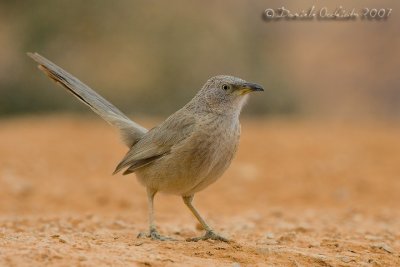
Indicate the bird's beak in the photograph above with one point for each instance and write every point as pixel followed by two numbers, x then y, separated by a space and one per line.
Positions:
pixel 250 87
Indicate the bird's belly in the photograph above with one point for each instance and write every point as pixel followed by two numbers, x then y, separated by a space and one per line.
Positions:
pixel 201 162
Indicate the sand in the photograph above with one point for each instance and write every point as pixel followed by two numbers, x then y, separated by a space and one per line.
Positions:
pixel 299 193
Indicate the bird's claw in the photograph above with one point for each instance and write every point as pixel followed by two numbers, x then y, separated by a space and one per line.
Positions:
pixel 154 235
pixel 208 235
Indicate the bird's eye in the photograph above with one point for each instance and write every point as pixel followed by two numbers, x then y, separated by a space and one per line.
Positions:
pixel 225 87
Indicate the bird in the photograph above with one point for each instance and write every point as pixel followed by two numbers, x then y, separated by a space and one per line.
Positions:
pixel 184 154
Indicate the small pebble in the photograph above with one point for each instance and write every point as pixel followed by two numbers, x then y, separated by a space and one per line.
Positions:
pixel 345 259
pixel 384 247
pixel 270 235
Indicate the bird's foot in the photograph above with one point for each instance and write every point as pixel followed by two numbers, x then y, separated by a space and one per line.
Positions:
pixel 208 235
pixel 154 235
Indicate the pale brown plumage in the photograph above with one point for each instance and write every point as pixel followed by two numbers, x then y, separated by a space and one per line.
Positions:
pixel 184 154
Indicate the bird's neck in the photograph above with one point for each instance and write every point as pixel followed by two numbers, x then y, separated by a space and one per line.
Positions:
pixel 226 108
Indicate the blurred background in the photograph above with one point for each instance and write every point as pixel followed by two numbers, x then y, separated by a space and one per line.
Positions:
pixel 150 58
pixel 317 170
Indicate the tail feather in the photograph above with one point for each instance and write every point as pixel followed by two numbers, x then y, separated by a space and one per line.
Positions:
pixel 130 131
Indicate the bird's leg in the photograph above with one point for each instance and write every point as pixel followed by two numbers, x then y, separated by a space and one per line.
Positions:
pixel 153 233
pixel 210 234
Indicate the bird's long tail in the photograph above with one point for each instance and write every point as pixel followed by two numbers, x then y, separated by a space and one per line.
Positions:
pixel 130 131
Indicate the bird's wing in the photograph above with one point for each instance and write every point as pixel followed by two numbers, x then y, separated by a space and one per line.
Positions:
pixel 130 131
pixel 158 142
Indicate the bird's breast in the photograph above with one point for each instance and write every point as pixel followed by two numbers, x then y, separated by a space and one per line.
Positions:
pixel 197 162
pixel 216 145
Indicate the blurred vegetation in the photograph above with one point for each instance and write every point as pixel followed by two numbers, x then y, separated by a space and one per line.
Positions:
pixel 151 57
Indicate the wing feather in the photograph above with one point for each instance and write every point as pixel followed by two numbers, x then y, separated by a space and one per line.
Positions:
pixel 158 142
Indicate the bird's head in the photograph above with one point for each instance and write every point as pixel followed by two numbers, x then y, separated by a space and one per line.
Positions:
pixel 226 94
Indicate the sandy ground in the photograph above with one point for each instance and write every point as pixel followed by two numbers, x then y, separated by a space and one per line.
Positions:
pixel 299 193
